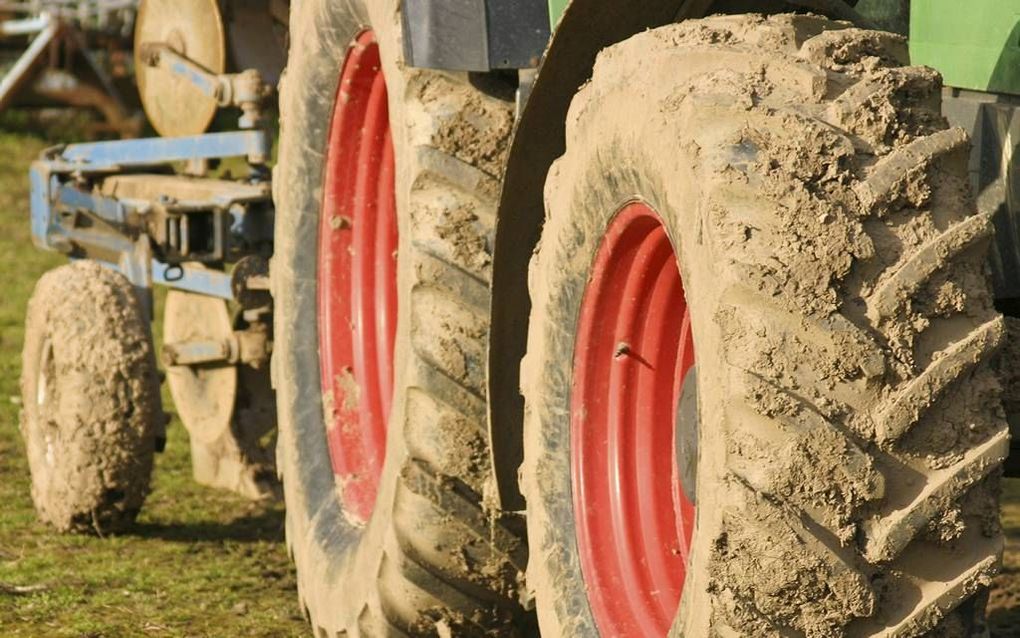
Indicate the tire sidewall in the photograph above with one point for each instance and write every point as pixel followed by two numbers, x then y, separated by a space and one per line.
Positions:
pixel 326 545
pixel 619 163
pixel 34 422
pixel 600 203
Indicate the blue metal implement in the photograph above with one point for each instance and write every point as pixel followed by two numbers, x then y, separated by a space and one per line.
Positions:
pixel 214 283
pixel 89 201
pixel 104 157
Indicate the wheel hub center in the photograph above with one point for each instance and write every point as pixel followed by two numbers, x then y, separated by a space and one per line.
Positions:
pixel 357 280
pixel 686 437
pixel 633 429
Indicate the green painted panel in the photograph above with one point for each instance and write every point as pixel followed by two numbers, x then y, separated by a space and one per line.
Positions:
pixel 974 44
pixel 556 9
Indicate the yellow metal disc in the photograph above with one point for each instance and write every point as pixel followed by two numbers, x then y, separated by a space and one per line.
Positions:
pixel 193 28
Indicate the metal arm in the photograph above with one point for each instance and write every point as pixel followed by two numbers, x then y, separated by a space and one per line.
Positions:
pixel 245 90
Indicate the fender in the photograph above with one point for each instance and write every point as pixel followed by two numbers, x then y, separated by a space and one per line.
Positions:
pixel 587 27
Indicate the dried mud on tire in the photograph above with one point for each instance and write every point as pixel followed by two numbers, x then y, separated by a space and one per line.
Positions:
pixel 91 404
pixel 851 428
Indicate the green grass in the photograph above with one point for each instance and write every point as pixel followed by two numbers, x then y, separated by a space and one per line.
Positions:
pixel 199 562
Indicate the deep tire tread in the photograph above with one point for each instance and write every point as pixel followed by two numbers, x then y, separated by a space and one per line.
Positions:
pixel 910 301
pixel 912 274
pixel 897 416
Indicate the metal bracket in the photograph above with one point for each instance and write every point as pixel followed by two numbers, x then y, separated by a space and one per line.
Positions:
pixel 248 347
pixel 93 201
pixel 245 90
pixel 119 156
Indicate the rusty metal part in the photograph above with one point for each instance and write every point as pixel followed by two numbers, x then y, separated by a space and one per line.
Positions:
pixel 247 91
pixel 57 43
pixel 65 88
pixel 249 282
pixel 194 29
pixel 98 13
pixel 23 71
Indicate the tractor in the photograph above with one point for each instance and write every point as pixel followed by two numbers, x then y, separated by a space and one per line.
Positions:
pixel 621 319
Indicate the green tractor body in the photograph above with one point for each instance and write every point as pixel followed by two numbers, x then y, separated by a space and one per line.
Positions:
pixel 974 45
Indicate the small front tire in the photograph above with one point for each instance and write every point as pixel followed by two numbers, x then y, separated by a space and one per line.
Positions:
pixel 90 391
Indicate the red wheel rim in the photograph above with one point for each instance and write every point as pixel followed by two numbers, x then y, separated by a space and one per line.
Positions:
pixel 357 281
pixel 634 348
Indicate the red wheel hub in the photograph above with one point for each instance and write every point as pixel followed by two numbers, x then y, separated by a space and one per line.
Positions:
pixel 357 289
pixel 634 349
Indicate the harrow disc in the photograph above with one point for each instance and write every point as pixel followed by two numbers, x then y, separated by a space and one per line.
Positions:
pixel 193 28
pixel 204 395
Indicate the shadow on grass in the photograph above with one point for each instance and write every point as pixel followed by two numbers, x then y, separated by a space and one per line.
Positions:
pixel 1004 617
pixel 267 526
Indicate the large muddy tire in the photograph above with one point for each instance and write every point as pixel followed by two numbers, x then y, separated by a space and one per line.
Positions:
pixel 415 552
pixel 91 406
pixel 850 429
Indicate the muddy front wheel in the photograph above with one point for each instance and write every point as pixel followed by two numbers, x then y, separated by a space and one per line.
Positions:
pixel 91 405
pixel 779 198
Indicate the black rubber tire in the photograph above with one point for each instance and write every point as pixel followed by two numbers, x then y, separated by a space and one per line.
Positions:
pixel 851 432
pixel 90 395
pixel 432 559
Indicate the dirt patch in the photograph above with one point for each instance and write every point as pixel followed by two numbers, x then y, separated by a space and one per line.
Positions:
pixel 467 126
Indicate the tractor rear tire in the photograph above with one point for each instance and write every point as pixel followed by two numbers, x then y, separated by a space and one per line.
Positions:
pixel 90 395
pixel 421 555
pixel 850 432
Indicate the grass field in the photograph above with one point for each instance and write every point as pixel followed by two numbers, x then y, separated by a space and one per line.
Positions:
pixel 199 562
